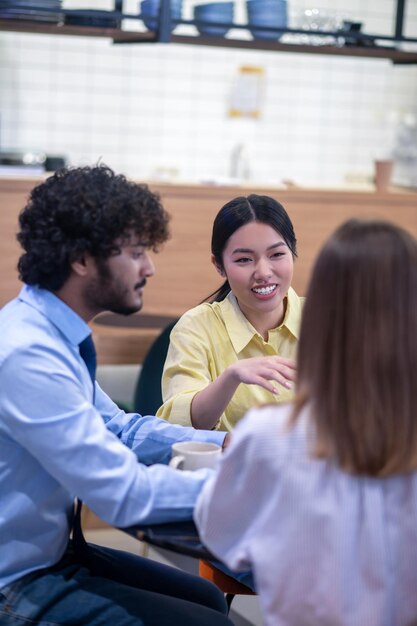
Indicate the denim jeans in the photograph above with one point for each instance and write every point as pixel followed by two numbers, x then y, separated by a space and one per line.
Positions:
pixel 113 588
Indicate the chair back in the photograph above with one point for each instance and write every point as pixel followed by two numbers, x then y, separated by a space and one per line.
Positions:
pixel 148 393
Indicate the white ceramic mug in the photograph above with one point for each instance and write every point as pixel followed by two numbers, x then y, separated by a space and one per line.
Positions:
pixel 191 455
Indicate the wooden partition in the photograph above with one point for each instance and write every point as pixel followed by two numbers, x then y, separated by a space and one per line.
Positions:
pixel 184 273
pixel 13 196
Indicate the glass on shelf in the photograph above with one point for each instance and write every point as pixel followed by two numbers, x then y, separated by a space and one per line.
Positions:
pixel 313 20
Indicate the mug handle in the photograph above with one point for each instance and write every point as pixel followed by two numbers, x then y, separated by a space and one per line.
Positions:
pixel 177 461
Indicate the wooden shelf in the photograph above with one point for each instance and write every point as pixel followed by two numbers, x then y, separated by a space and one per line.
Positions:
pixel 120 36
pixel 43 28
pixel 375 52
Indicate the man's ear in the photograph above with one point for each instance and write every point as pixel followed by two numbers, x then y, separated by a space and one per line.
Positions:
pixel 218 267
pixel 82 266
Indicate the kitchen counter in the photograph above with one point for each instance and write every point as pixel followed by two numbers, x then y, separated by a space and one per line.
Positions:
pixel 184 273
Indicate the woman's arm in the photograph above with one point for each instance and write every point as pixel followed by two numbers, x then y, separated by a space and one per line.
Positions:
pixel 198 380
pixel 208 404
pixel 188 368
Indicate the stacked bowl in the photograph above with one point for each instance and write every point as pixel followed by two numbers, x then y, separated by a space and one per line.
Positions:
pixel 149 12
pixel 209 18
pixel 266 13
pixel 31 10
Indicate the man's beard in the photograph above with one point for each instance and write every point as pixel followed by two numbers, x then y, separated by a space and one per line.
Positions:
pixel 106 294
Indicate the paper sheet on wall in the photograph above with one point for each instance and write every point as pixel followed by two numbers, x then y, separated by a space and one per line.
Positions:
pixel 247 92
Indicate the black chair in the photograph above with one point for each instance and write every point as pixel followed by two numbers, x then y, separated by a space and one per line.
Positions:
pixel 148 393
pixel 228 585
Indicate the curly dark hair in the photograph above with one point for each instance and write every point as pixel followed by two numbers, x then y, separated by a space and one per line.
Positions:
pixel 84 210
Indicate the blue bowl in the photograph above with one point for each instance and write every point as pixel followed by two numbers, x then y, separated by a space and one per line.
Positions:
pixel 149 11
pixel 274 6
pixel 269 13
pixel 217 12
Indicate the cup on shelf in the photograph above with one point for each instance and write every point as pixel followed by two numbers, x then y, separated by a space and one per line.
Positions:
pixel 269 14
pixel 149 12
pixel 383 174
pixel 210 18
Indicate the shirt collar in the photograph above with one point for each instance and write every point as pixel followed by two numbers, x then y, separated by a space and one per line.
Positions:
pixel 241 331
pixel 292 314
pixel 68 322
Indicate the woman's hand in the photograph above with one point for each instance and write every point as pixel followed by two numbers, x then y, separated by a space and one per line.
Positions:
pixel 263 370
pixel 266 371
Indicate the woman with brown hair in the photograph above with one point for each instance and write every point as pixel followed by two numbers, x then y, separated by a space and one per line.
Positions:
pixel 319 498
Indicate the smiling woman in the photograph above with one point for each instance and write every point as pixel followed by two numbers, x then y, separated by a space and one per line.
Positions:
pixel 237 349
pixel 259 268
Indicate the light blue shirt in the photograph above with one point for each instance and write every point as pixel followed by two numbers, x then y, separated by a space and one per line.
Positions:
pixel 55 444
pixel 326 548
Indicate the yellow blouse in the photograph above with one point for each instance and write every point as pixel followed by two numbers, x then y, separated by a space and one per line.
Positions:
pixel 209 338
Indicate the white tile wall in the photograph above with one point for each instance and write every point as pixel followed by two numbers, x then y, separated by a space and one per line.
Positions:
pixel 144 107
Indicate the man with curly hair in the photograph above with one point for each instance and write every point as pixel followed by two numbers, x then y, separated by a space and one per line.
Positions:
pixel 85 233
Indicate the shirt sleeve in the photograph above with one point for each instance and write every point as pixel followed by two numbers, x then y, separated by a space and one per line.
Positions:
pixel 148 436
pixel 186 370
pixel 230 506
pixel 46 413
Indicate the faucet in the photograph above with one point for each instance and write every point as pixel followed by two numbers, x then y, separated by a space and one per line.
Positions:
pixel 239 162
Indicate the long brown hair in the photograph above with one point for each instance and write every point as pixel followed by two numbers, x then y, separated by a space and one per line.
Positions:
pixel 357 353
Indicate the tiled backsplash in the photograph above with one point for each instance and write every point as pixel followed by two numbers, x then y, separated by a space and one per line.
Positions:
pixel 146 109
